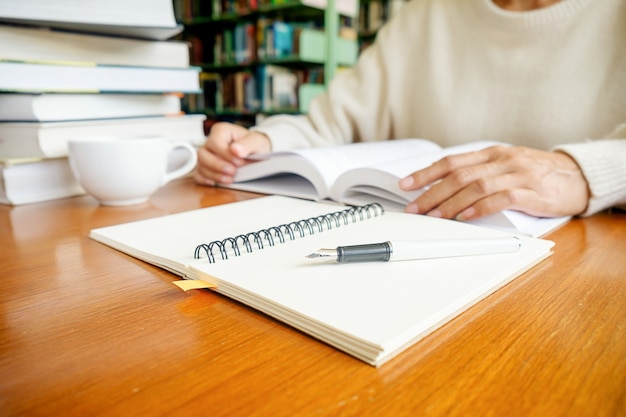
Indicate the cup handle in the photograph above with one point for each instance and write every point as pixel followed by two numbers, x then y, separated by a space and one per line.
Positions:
pixel 187 167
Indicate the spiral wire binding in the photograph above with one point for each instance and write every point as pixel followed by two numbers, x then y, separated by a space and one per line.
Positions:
pixel 287 230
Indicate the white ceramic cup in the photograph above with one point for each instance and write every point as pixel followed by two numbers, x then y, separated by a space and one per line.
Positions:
pixel 123 171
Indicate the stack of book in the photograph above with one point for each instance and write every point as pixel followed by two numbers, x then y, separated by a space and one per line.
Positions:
pixel 72 69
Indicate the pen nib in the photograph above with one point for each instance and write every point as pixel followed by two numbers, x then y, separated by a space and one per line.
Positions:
pixel 323 253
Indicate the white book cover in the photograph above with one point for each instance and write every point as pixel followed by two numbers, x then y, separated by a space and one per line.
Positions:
pixel 50 139
pixel 42 44
pixel 26 181
pixel 151 19
pixel 71 107
pixel 78 78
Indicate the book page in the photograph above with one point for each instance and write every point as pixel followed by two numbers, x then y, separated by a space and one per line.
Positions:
pixel 320 166
pixel 515 220
pixel 370 310
pixel 382 179
pixel 380 184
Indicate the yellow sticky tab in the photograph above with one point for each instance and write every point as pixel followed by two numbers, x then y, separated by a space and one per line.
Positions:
pixel 193 284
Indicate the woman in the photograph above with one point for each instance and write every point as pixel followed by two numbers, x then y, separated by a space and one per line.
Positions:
pixel 546 76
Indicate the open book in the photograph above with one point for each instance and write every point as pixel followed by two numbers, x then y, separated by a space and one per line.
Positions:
pixel 362 173
pixel 254 252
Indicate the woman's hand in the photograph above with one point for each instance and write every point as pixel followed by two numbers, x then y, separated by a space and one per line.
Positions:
pixel 226 148
pixel 471 185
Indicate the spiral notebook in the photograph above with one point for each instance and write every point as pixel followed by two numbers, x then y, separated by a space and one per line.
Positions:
pixel 254 252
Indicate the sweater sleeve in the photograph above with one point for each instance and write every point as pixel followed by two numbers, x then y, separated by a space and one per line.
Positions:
pixel 603 163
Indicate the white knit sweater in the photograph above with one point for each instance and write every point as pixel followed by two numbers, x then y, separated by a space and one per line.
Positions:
pixel 455 71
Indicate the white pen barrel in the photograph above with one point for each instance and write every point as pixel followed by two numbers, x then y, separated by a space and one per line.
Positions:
pixel 444 248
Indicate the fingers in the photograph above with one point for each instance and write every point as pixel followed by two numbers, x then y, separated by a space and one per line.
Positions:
pixel 212 169
pixel 476 184
pixel 220 138
pixel 518 199
pixel 253 143
pixel 456 182
pixel 447 165
pixel 225 150
pixel 466 187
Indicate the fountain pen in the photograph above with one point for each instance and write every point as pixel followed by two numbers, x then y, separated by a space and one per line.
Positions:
pixel 418 249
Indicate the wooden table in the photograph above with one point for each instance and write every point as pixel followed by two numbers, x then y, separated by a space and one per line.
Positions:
pixel 87 330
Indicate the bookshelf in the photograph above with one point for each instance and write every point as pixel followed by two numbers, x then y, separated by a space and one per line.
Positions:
pixel 264 57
